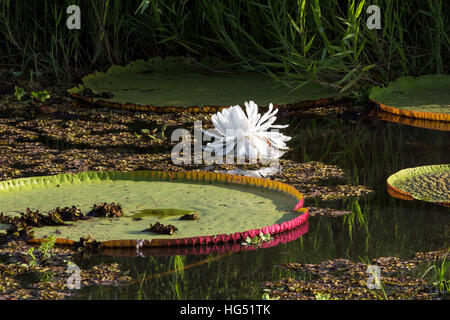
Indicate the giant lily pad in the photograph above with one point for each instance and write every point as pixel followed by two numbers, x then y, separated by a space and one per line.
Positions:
pixel 231 208
pixel 428 183
pixel 174 84
pixel 424 97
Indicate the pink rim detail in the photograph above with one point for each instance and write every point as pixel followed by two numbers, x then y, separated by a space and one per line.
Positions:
pixel 278 239
pixel 234 237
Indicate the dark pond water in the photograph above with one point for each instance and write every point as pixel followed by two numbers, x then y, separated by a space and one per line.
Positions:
pixel 378 226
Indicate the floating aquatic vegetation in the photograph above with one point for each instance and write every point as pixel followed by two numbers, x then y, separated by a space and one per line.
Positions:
pixel 327 212
pixel 427 183
pixel 109 210
pixel 162 229
pixel 318 180
pixel 178 84
pixel 344 279
pixel 15 268
pixel 257 240
pixel 232 207
pixel 424 97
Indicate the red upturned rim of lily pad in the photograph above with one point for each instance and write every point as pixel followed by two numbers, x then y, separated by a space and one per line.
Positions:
pixel 209 177
pixel 222 248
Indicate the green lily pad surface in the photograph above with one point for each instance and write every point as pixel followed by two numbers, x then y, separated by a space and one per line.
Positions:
pixel 181 82
pixel 222 208
pixel 428 183
pixel 414 95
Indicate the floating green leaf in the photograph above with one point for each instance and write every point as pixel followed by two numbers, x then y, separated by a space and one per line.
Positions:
pixel 424 97
pixel 224 208
pixel 427 183
pixel 183 82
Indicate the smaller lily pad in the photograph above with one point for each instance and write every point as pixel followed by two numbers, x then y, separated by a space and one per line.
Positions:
pixel 427 183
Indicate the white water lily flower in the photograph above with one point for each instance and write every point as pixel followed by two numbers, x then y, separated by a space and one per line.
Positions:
pixel 247 133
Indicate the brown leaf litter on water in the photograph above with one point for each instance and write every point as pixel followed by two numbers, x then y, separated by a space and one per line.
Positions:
pixel 50 276
pixel 344 279
pixel 327 212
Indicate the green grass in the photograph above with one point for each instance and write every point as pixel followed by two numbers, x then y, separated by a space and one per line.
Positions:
pixel 295 41
pixel 440 277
